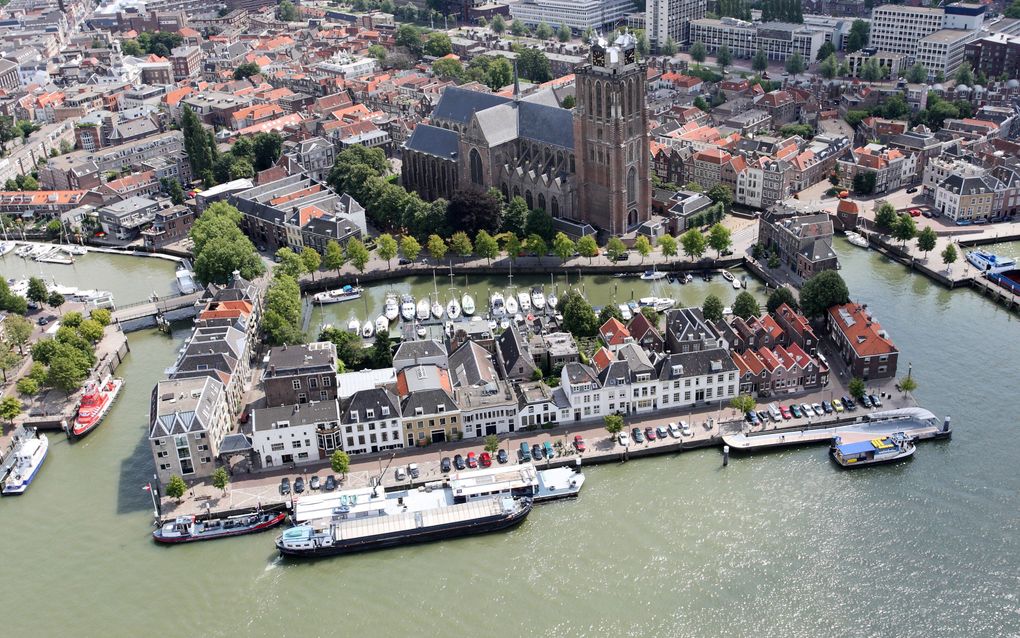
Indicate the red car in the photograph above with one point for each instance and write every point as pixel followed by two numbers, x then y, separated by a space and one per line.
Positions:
pixel 785 411
pixel 472 462
pixel 579 442
pixel 650 433
pixel 915 212
pixel 485 459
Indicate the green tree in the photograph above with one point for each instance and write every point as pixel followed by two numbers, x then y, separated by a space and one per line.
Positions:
pixel 864 183
pixel 609 311
pixel 37 290
pixel 885 217
pixel 448 69
pixel 539 223
pixel 311 260
pixel 821 292
pixel 55 300
pixel 908 384
pixel 377 51
pixel 856 387
pixel 904 229
pixel 719 238
pixel 220 479
pixel 825 51
pixel 563 33
pixel 743 403
pixel 926 240
pixel 409 37
pixel 917 74
pixel 829 67
pixel 643 247
pixel 386 247
pixel 949 255
pixel 517 28
pixel 492 444
pixel 723 56
pixel 543 31
pixel 282 319
pixel 563 247
pixel 537 246
pixel 246 70
pixel 578 317
pixel 486 246
pixel 712 308
pixel 515 215
pixel 533 65
pixel 18 331
pixel 668 48
pixel 698 51
pixel 438 44
pixel 586 247
pixel 8 359
pixel 410 247
pixel 91 330
pixel 10 408
pixel 615 248
pixel 795 64
pixel 693 243
pixel 858 37
pixel 176 487
pixel 701 103
pixel 68 369
pixel 102 316
pixel 965 74
pixel 289 263
pixel 340 462
pixel 25 385
pixel 201 153
pixel 357 254
pixel 266 149
pixel 512 246
pixel 335 258
pixel 746 306
pixel 780 296
pixel 498 24
pixel 871 71
pixel 436 247
pixel 667 244
pixel 460 244
pixel 614 424
pixel 760 62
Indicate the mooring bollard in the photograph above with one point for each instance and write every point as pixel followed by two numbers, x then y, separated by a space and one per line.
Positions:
pixel 725 455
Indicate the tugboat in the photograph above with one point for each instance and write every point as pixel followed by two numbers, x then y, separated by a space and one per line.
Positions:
pixel 885 450
pixel 94 405
pixel 187 529
pixel 28 456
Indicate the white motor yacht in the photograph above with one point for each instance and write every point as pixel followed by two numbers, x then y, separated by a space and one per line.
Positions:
pixel 512 307
pixel 354 326
pixel 392 309
pixel 367 330
pixel 524 301
pixel 382 324
pixel 537 299
pixel 497 306
pixel 424 310
pixel 407 307
pixel 552 300
pixel 625 312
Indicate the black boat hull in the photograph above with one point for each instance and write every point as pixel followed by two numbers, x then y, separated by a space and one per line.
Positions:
pixel 438 533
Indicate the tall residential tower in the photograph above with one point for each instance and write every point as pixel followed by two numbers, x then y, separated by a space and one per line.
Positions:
pixel 669 19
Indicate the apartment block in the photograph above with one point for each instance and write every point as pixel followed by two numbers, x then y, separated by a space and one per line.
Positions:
pixel 670 20
pixel 778 40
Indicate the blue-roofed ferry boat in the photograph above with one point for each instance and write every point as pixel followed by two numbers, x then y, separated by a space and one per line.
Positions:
pixel 884 450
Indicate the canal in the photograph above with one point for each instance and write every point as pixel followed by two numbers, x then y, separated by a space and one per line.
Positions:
pixel 781 544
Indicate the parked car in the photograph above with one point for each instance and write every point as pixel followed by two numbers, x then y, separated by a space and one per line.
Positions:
pixel 315 483
pixel 404 261
pixel 865 401
pixel 752 417
pixel 915 212
pixel 412 469
pixel 485 460
pixel 624 439
pixel 299 485
pixel 817 407
pixel 875 401
pixel 785 411
pixel 911 190
pixel 400 473
pixel 674 431
pixel 763 415
pixel 44 320
pixel 537 452
pixel 445 466
pixel 795 410
pixel 650 433
pixel 685 429
pixel 928 214
pixel 827 407
pixel 661 432
pixel 639 436
pixel 848 403
pixel 458 462
pixel 502 457
pixel 285 486
pixel 806 409
pixel 837 405
pixel 548 449
pixel 524 452
pixel 330 484
pixel 579 443
pixel 472 462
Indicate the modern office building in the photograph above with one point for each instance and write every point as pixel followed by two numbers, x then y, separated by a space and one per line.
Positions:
pixel 777 39
pixel 670 20
pixel 933 32
pixel 579 15
pixel 944 51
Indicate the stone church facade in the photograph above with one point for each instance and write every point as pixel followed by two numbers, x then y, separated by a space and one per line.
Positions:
pixel 589 165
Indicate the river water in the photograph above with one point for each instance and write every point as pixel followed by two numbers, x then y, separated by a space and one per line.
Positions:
pixel 781 544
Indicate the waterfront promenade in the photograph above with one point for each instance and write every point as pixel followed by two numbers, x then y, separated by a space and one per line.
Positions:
pixel 708 424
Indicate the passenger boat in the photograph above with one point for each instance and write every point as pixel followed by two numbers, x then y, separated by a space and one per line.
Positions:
pixel 437 309
pixel 392 309
pixel 990 263
pixel 354 326
pixel 407 307
pixel 95 404
pixel 382 324
pixel 512 307
pixel 29 453
pixel 367 330
pixel 467 304
pixel 376 520
pixel 186 281
pixel 625 312
pixel 347 293
pixel 552 300
pixel 453 308
pixel 871 452
pixel 856 239
pixel 187 529
pixel 524 301
pixel 497 306
pixel 653 275
pixel 424 310
pixel 537 299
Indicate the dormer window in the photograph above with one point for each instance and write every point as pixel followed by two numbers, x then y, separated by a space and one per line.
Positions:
pixel 354 415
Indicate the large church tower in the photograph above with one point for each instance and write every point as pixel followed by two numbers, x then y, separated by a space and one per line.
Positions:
pixel 611 137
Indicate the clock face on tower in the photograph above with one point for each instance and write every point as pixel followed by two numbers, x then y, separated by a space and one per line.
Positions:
pixel 598 56
pixel 628 56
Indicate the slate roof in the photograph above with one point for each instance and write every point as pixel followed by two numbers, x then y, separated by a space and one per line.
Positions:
pixel 374 399
pixel 458 105
pixel 578 373
pixel 547 124
pixel 472 365
pixel 303 359
pixel 295 415
pixel 702 362
pixel 435 141
pixel 414 351
pixel 819 250
pixel 429 401
pixel 183 406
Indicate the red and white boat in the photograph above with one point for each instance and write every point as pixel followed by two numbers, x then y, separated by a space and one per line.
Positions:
pixel 94 405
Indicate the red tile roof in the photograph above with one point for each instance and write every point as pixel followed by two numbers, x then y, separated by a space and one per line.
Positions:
pixel 865 335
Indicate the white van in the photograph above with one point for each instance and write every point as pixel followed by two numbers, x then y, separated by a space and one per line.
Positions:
pixel 774 412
